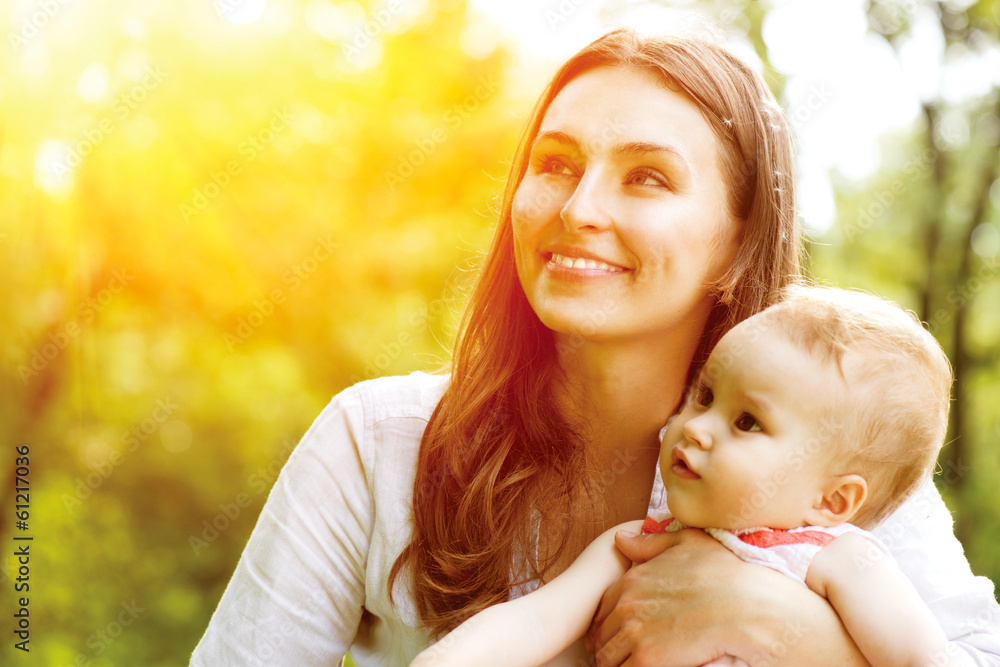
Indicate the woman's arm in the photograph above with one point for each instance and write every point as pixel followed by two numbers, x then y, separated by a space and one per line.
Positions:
pixel 532 629
pixel 691 601
pixel 878 605
pixel 298 591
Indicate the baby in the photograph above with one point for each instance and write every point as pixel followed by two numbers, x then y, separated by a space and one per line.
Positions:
pixel 810 422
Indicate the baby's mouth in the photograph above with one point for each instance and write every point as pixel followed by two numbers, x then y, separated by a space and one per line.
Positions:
pixel 680 466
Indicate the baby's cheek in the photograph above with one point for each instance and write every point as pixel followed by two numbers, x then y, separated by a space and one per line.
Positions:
pixel 742 503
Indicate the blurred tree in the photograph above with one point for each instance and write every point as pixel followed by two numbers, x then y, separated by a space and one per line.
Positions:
pixel 209 227
pixel 925 232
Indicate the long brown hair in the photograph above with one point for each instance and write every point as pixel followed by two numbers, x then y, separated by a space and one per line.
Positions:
pixel 497 454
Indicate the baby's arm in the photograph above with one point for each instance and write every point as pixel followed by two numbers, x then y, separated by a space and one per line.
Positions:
pixel 536 627
pixel 877 603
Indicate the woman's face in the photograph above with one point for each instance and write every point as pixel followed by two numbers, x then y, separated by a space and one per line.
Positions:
pixel 621 221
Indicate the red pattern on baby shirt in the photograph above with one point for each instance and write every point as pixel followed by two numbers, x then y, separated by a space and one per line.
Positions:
pixel 651 526
pixel 767 537
pixel 764 538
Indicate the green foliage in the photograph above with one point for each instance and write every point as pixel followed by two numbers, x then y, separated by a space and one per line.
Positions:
pixel 179 314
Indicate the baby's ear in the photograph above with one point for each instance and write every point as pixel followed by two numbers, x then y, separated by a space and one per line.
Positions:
pixel 842 498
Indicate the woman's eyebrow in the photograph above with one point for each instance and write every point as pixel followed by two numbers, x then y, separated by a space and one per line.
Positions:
pixel 555 135
pixel 642 147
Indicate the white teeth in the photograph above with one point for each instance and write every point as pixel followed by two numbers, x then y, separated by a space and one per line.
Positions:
pixel 581 263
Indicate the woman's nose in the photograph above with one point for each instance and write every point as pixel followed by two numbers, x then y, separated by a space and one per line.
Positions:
pixel 587 207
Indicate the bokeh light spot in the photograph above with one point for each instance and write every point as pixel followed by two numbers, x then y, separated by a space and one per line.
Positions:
pixel 53 168
pixel 93 83
pixel 986 240
pixel 135 28
pixel 176 436
pixel 241 12
pixel 133 64
pixel 35 61
pixel 94 452
pixel 478 40
pixel 324 19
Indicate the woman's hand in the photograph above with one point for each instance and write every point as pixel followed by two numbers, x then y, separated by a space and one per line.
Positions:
pixel 689 600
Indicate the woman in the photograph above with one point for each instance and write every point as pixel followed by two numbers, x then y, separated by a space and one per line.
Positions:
pixel 648 209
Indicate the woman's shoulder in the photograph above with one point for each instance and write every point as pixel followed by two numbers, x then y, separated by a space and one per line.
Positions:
pixel 369 414
pixel 369 433
pixel 399 396
pixel 384 413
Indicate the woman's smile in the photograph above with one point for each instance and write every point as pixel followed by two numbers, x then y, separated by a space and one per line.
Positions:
pixel 575 265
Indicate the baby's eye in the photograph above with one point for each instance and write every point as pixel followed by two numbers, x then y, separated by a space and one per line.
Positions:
pixel 704 397
pixel 747 423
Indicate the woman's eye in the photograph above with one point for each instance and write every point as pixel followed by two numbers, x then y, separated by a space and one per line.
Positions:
pixel 646 177
pixel 747 423
pixel 704 397
pixel 555 166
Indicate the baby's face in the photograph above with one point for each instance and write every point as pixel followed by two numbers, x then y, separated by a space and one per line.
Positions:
pixel 749 447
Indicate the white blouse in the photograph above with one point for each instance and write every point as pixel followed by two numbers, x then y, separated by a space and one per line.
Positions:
pixel 311 583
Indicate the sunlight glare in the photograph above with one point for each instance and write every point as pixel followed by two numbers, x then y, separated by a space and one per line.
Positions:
pixel 815 196
pixel 478 40
pixel 241 12
pixel 53 173
pixel 35 61
pixel 921 54
pixel 325 19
